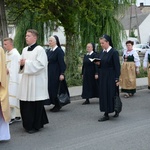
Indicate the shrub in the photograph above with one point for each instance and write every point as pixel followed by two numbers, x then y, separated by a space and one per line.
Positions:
pixel 142 74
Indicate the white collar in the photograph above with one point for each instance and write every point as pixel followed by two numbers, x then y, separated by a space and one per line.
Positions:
pixel 107 50
pixel 11 51
pixel 53 49
pixel 90 53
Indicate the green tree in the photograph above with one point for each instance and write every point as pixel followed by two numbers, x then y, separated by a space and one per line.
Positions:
pixel 82 20
pixel 104 19
pixel 27 21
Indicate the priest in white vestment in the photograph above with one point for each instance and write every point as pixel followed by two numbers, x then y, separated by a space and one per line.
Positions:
pixel 12 59
pixel 4 103
pixel 33 86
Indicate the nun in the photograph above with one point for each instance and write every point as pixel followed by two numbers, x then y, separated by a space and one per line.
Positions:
pixel 56 73
pixel 109 72
pixel 89 75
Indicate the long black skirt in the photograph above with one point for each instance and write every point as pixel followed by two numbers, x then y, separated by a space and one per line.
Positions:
pixel 33 115
pixel 53 92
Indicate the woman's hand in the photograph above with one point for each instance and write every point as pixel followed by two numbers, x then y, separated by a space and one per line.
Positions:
pixel 97 63
pixel 96 76
pixel 117 83
pixel 61 77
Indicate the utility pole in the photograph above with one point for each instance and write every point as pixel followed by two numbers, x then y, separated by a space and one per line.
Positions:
pixel 3 22
pixel 131 19
pixel 137 22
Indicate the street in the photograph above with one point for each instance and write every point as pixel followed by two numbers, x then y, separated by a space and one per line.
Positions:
pixel 76 127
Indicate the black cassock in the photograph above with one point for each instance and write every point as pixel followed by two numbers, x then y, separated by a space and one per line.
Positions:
pixel 90 84
pixel 56 67
pixel 109 71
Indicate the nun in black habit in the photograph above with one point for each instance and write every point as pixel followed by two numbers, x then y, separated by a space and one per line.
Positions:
pixel 89 75
pixel 109 72
pixel 56 70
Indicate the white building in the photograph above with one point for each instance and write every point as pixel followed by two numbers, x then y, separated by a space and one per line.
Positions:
pixel 59 31
pixel 143 18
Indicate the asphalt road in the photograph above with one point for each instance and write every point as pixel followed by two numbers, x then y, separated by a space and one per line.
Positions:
pixel 76 127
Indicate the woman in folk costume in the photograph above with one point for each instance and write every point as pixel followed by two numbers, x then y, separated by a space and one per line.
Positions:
pixel 12 58
pixel 89 75
pixel 4 103
pixel 130 67
pixel 56 70
pixel 146 65
pixel 109 72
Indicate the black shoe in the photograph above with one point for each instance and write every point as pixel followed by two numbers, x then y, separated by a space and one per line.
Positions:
pixel 104 118
pixel 11 121
pixel 86 102
pixel 52 108
pixel 56 109
pixel 17 119
pixel 31 131
pixel 116 115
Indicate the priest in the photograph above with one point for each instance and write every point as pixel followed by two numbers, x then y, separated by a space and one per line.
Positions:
pixel 4 103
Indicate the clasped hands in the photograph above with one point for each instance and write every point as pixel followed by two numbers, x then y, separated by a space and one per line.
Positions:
pixel 22 62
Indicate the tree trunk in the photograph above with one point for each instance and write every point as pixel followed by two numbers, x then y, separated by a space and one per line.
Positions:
pixel 72 59
pixel 3 22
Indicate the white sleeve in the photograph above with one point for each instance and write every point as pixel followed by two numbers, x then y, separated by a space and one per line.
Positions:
pixel 136 59
pixel 145 60
pixel 14 68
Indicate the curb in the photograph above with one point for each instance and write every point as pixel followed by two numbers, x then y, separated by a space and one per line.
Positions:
pixel 78 97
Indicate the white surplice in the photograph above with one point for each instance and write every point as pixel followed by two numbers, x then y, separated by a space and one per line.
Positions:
pixel 34 81
pixel 12 59
pixel 4 128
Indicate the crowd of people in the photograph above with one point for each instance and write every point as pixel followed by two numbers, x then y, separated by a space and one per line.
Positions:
pixel 31 80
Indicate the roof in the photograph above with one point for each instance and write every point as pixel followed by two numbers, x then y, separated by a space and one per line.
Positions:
pixel 125 21
pixel 141 12
pixel 134 9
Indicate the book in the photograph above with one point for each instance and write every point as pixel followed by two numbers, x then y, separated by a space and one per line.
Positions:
pixel 94 59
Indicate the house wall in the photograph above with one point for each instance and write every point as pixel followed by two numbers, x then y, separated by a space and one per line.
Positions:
pixel 60 33
pixel 135 32
pixel 11 31
pixel 144 29
pixel 145 9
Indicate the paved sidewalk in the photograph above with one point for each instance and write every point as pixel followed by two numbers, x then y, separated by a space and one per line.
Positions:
pixel 75 92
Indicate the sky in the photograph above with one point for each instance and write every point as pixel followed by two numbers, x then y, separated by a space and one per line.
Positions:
pixel 146 2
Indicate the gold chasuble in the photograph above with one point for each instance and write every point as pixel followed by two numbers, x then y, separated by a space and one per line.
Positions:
pixel 4 103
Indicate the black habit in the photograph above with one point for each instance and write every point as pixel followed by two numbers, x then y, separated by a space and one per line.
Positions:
pixel 109 71
pixel 90 84
pixel 56 67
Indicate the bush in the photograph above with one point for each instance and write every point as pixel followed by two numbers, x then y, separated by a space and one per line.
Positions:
pixel 142 74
